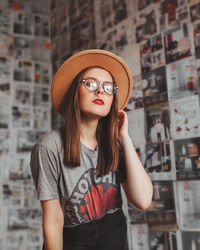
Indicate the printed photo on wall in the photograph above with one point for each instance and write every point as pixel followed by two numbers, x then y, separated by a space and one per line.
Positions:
pixel 41 50
pixel 23 71
pixel 41 26
pixel 161 214
pixel 136 99
pixel 4 112
pixel 5 67
pixel 158 123
pixel 197 39
pixel 22 117
pixel 4 142
pixel 168 7
pixel 154 86
pixel 42 73
pixel 41 118
pixel 23 23
pixel 185 117
pixel 188 204
pixel 146 25
pixel 19 168
pixel 139 237
pixel 5 20
pixel 12 194
pixel 22 94
pixel 159 162
pixel 120 10
pixel 4 88
pixel 6 44
pixel 163 240
pixel 22 48
pixel 137 126
pixel 178 44
pixel 20 5
pixel 41 96
pixel 191 240
pixel 152 53
pixel 195 11
pixel 182 78
pixel 187 158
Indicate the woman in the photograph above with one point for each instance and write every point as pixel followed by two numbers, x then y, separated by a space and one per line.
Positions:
pixel 77 170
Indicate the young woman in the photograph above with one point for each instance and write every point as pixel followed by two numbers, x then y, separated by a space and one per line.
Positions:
pixel 78 169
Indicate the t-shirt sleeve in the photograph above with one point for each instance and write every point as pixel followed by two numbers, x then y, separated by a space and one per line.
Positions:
pixel 122 167
pixel 44 169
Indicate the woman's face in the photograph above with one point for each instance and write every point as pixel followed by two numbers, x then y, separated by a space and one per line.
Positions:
pixel 98 103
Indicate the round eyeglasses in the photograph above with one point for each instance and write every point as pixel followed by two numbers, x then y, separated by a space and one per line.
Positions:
pixel 92 84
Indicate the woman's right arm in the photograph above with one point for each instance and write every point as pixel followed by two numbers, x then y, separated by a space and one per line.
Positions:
pixel 53 222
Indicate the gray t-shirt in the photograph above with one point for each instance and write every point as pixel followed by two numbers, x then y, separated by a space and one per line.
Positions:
pixel 83 195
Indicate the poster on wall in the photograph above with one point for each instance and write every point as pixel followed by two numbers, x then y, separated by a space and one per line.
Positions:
pixel 6 44
pixel 152 53
pixel 190 240
pixel 187 158
pixel 20 168
pixel 161 214
pixel 23 23
pixel 195 11
pixel 4 112
pixel 120 9
pixel 136 126
pixel 182 78
pixel 188 204
pixel 12 194
pixel 163 240
pixel 197 39
pixel 146 25
pixel 23 71
pixel 22 117
pixel 81 35
pixel 158 123
pixel 41 50
pixel 4 88
pixel 154 86
pixel 139 237
pixel 5 67
pixel 185 115
pixel 178 43
pixel 41 118
pixel 136 98
pixel 160 164
pixel 22 94
pixel 41 96
pixel 5 20
pixel 22 48
pixel 41 26
pixel 168 8
pixel 42 73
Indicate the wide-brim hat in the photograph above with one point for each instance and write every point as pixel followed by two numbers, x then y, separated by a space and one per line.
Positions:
pixel 87 58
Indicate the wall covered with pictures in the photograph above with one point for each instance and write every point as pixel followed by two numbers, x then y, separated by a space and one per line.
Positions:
pixel 160 41
pixel 25 113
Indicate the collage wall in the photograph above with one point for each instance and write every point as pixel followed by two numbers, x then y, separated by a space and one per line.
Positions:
pixel 160 41
pixel 25 113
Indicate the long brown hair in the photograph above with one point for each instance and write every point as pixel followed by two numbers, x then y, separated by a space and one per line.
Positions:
pixel 106 134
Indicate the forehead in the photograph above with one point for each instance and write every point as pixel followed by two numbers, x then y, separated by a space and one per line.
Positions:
pixel 98 73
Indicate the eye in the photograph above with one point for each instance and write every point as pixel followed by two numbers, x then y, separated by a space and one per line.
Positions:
pixel 91 84
pixel 109 87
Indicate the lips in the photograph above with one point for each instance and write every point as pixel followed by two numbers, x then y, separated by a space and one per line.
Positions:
pixel 99 101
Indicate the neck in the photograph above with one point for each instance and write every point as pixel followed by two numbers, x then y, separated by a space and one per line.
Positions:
pixel 88 132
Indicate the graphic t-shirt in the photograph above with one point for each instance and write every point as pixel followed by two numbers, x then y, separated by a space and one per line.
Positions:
pixel 84 196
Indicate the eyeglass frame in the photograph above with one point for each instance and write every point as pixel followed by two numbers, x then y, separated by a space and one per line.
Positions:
pixel 98 84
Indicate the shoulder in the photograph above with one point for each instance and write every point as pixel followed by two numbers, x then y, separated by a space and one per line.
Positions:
pixel 51 139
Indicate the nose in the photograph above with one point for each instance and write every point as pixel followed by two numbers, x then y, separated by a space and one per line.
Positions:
pixel 100 89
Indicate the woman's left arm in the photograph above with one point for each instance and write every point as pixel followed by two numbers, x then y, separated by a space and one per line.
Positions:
pixel 138 187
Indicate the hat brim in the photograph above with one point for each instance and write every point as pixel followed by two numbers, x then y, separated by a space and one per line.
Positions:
pixel 87 58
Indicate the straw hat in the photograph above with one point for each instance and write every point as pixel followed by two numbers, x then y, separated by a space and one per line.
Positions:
pixel 87 58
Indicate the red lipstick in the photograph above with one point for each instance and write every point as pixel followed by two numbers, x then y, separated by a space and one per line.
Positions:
pixel 99 101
